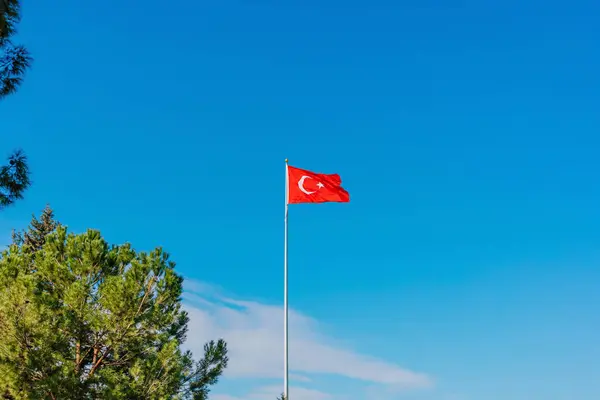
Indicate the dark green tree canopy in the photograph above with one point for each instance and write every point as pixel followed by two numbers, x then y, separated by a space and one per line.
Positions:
pixel 14 62
pixel 14 178
pixel 35 236
pixel 14 59
pixel 82 319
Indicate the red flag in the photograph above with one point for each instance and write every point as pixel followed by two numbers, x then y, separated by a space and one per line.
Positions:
pixel 309 187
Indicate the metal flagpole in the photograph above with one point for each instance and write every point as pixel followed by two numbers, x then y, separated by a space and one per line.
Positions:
pixel 285 291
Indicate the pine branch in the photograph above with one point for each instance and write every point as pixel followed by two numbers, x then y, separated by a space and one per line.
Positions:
pixel 10 15
pixel 17 237
pixel 14 59
pixel 14 179
pixel 13 64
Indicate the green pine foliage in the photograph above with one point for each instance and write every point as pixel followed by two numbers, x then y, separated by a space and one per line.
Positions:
pixel 14 178
pixel 14 59
pixel 14 62
pixel 82 319
pixel 34 237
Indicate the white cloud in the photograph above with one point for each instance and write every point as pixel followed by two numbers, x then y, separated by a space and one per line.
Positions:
pixel 299 378
pixel 224 397
pixel 272 392
pixel 254 333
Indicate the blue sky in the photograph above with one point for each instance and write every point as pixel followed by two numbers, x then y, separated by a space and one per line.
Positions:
pixel 466 266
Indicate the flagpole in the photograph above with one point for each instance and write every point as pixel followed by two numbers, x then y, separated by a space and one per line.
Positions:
pixel 285 291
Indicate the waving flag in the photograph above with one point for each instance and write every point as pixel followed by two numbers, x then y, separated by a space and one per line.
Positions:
pixel 310 187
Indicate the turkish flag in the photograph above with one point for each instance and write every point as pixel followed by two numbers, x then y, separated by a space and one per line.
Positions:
pixel 310 187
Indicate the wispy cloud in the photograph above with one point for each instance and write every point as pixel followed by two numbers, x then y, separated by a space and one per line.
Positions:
pixel 271 392
pixel 254 332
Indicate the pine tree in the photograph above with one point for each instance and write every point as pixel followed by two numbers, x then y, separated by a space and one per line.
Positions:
pixel 97 321
pixel 14 59
pixel 35 236
pixel 14 178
